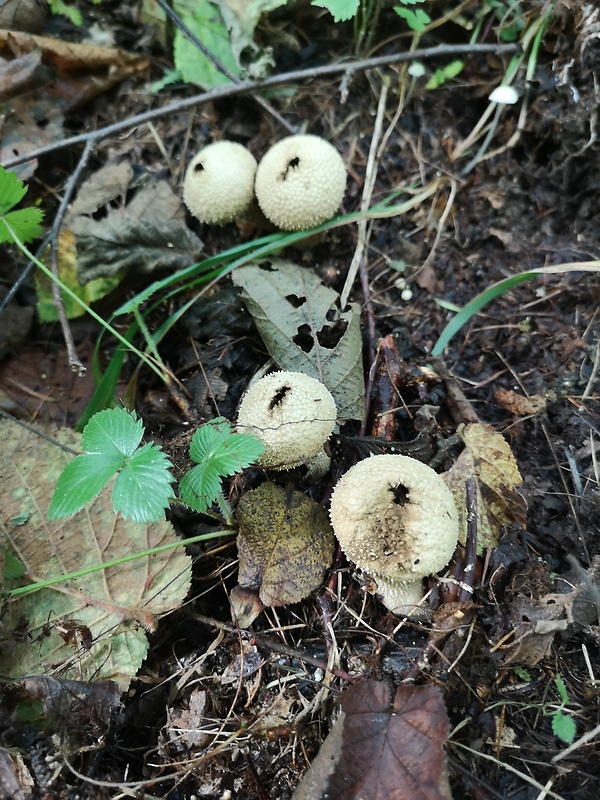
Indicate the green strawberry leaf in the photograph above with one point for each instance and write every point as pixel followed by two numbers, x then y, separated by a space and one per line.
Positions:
pixel 81 481
pixel 200 487
pixel 12 190
pixel 143 487
pixel 114 430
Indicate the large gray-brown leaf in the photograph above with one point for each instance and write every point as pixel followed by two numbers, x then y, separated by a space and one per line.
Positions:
pixel 304 330
pixel 383 746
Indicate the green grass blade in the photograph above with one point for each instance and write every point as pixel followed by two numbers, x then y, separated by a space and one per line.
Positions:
pixel 475 305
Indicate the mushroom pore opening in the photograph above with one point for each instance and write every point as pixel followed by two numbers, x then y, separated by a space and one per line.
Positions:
pixel 293 163
pixel 198 167
pixel 279 396
pixel 400 494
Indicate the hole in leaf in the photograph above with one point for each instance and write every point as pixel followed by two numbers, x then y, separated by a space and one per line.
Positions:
pixel 295 301
pixel 304 339
pixel 278 397
pixel 267 266
pixel 330 335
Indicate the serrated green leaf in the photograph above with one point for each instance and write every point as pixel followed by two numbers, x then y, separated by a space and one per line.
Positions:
pixel 24 223
pixel 562 689
pixel 12 190
pixel 563 727
pixel 81 481
pixel 13 567
pixel 340 10
pixel 72 14
pixel 113 431
pixel 226 452
pixel 416 20
pixel 200 487
pixel 143 487
pixel 245 449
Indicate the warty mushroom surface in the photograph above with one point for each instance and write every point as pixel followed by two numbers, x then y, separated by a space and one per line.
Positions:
pixel 219 182
pixel 395 518
pixel 300 182
pixel 292 414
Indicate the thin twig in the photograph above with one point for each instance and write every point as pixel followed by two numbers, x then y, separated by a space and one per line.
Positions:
pixel 364 228
pixel 176 19
pixel 74 360
pixel 245 87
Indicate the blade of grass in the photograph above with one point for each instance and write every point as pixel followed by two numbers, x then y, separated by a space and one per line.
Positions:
pixel 475 305
pixel 35 587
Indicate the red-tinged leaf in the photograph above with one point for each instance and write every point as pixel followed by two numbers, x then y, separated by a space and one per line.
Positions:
pixel 390 747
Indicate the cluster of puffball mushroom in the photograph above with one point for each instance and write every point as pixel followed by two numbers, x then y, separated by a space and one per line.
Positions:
pixel 393 516
pixel 300 182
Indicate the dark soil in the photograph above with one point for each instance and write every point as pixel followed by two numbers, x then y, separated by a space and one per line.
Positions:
pixel 527 365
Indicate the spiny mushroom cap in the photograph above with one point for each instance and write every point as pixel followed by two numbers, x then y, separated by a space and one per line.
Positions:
pixel 292 414
pixel 300 182
pixel 394 517
pixel 219 182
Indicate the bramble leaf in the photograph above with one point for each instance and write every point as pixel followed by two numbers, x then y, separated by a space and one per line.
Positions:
pixel 340 10
pixel 218 452
pixel 81 481
pixel 227 452
pixel 24 223
pixel 200 487
pixel 113 430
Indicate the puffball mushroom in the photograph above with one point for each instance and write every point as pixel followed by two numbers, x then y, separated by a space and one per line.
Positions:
pixel 300 182
pixel 219 182
pixel 292 414
pixel 395 518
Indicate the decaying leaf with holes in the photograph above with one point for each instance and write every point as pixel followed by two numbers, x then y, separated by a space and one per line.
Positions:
pixel 115 604
pixel 488 458
pixel 304 330
pixel 285 544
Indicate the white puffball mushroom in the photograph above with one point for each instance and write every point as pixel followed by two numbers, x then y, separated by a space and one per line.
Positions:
pixel 292 414
pixel 219 182
pixel 300 182
pixel 395 518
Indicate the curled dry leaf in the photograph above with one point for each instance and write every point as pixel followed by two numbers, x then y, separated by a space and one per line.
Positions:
pixel 383 747
pixel 285 544
pixel 488 458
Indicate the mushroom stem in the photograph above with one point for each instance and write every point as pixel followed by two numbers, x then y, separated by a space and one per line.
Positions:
pixel 404 598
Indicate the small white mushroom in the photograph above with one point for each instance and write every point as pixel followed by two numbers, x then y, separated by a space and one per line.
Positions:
pixel 395 518
pixel 300 182
pixel 292 414
pixel 219 183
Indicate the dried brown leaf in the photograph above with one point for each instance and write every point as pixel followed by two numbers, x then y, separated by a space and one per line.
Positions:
pixel 487 457
pixel 285 544
pixel 116 604
pixel 383 747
